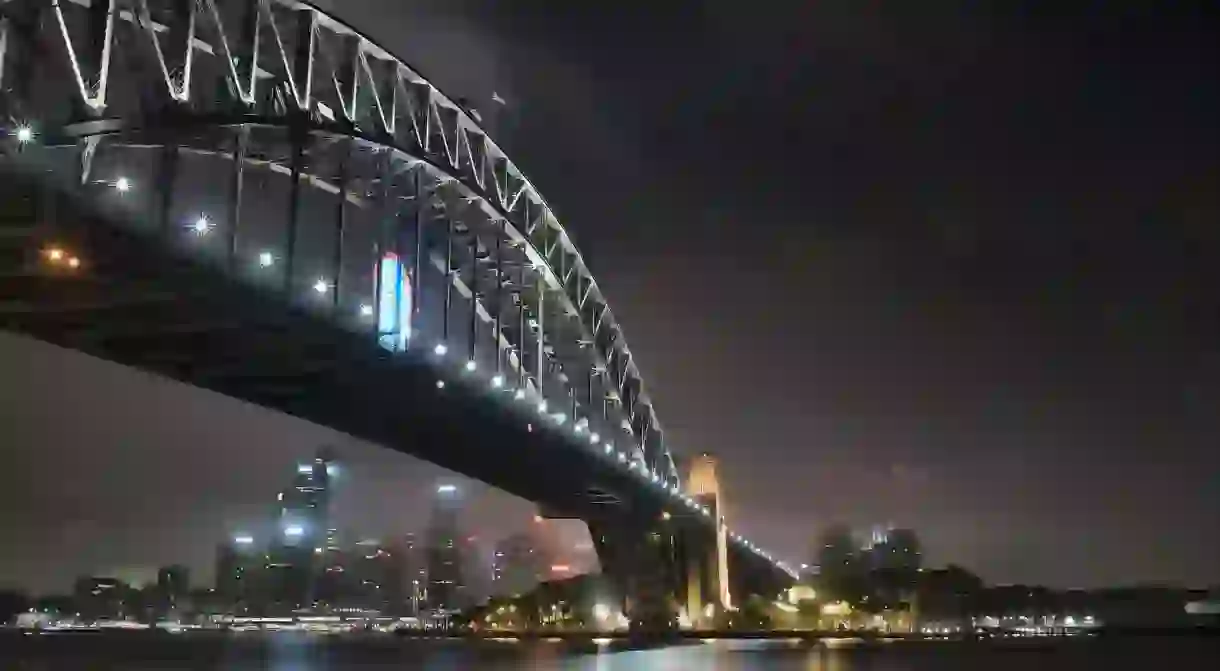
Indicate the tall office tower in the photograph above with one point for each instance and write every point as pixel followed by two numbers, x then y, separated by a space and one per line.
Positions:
pixel 446 588
pixel 98 598
pixel 476 571
pixel 837 554
pixel 547 545
pixel 305 506
pixel 173 588
pixel 239 571
pixel 302 535
pixel 332 588
pixel 415 575
pixel 518 565
pixel 906 553
pixel 703 484
pixel 377 575
pixel 893 549
pixel 395 592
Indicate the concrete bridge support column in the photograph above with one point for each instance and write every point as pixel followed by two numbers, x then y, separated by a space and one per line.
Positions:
pixel 701 585
pixel 640 560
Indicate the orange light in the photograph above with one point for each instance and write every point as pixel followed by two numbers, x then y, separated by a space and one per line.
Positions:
pixel 55 253
pixel 73 262
pixel 538 519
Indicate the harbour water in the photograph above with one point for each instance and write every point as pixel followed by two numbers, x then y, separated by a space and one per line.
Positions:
pixel 297 652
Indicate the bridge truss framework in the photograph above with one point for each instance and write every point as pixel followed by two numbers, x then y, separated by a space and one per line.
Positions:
pixel 412 201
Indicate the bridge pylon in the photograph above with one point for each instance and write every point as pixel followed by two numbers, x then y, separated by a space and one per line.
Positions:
pixel 641 560
pixel 706 559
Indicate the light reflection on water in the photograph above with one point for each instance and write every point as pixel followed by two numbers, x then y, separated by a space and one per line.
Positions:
pixel 295 652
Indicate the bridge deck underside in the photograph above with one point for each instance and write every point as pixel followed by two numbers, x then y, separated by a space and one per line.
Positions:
pixel 330 138
pixel 136 304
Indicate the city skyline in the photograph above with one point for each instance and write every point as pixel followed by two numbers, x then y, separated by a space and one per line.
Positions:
pixel 936 293
pixel 438 570
pixel 287 520
pixel 490 506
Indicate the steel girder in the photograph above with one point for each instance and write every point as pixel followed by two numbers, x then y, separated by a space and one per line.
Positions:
pixel 287 58
pixel 133 66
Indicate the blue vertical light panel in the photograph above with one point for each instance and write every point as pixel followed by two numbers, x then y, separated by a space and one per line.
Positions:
pixel 394 317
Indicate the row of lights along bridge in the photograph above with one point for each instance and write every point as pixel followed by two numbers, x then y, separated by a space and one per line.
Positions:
pixel 201 226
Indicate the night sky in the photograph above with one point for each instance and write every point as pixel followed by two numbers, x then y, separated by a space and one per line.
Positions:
pixel 936 264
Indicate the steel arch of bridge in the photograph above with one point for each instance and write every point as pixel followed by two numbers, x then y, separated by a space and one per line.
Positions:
pixel 139 72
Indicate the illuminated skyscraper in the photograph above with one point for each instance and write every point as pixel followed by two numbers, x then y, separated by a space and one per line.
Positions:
pixel 415 578
pixel 239 569
pixel 101 598
pixel 304 507
pixel 173 586
pixel 517 565
pixel 332 585
pixel 302 535
pixel 446 588
pixel 837 554
pixel 376 576
pixel 892 549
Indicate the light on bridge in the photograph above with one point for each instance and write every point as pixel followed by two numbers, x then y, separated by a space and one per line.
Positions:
pixel 520 394
pixel 25 134
pixel 542 406
pixel 440 384
pixel 321 286
pixel 471 365
pixel 122 185
pixel 58 257
pixel 266 259
pixel 595 439
pixel 440 349
pixel 366 310
pixel 560 418
pixel 201 225
pixel 497 381
pixel 243 540
pixel 609 448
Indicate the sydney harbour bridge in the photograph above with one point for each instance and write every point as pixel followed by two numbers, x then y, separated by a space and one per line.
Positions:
pixel 252 197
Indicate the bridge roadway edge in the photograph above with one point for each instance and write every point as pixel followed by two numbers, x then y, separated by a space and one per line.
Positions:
pixel 485 439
